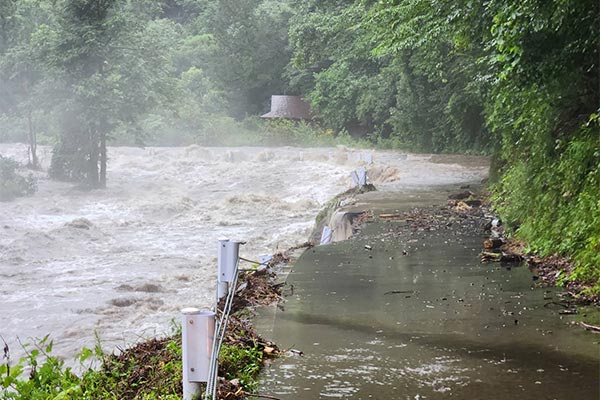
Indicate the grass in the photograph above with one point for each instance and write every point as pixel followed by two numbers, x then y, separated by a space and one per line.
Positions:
pixel 150 370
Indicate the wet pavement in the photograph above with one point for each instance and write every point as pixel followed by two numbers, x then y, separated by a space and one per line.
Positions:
pixel 415 315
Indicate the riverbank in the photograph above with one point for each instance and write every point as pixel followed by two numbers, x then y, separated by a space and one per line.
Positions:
pixel 152 369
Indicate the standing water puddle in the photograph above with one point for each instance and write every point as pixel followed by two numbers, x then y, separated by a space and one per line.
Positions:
pixel 432 323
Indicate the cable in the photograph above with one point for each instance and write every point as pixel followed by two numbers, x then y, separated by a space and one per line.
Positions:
pixel 219 336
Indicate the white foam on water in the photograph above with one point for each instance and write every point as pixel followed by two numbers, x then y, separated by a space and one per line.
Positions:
pixel 157 224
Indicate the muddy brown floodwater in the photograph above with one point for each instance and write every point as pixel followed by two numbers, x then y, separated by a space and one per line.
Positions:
pixel 419 317
pixel 150 246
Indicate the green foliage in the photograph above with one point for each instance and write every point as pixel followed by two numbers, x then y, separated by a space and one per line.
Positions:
pixel 12 183
pixel 519 80
pixel 110 64
pixel 241 363
pixel 545 109
pixel 150 370
pixel 48 377
pixel 394 71
pixel 248 52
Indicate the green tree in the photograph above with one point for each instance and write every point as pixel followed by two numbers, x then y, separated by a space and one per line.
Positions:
pixel 251 51
pixel 114 66
pixel 21 79
pixel 401 69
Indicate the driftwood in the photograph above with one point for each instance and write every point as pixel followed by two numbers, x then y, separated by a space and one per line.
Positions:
pixel 390 216
pixel 589 327
pixel 399 292
pixel 262 396
pixel 505 257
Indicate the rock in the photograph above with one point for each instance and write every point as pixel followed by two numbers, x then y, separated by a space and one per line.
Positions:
pixel 80 223
pixel 493 243
pixel 473 203
pixel 460 196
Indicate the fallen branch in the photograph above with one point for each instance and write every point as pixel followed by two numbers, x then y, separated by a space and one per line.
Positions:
pixel 390 216
pixel 589 327
pixel 398 291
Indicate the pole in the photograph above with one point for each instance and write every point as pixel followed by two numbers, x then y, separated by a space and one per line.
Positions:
pixel 197 330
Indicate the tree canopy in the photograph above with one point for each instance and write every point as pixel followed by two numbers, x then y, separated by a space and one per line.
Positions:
pixel 516 80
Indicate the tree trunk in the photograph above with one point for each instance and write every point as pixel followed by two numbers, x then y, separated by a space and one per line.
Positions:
pixel 93 162
pixel 33 159
pixel 103 159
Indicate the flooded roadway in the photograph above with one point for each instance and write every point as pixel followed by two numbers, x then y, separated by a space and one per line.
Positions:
pixel 433 323
pixel 150 246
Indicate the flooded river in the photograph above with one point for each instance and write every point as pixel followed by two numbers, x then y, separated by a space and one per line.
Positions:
pixel 150 246
pixel 417 316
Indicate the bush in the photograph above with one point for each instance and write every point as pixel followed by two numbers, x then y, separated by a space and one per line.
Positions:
pixel 553 201
pixel 12 183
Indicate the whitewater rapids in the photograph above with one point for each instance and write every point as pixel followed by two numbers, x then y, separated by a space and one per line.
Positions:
pixel 150 248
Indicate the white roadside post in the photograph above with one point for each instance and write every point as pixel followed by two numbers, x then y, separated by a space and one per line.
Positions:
pixel 222 283
pixel 228 259
pixel 326 235
pixel 197 330
pixel 359 177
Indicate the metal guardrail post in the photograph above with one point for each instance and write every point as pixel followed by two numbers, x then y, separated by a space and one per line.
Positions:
pixel 359 177
pixel 197 330
pixel 228 259
pixel 223 263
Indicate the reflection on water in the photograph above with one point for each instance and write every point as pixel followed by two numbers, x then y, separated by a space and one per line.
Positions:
pixel 431 324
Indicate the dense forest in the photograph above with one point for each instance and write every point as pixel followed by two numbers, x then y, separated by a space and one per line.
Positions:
pixel 516 80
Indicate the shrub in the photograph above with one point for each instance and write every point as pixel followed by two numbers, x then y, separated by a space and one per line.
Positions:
pixel 12 183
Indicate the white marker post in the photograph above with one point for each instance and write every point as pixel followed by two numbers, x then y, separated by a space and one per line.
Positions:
pixel 228 260
pixel 359 177
pixel 222 284
pixel 326 235
pixel 197 331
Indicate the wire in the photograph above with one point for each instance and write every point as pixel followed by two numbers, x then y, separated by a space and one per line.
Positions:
pixel 219 336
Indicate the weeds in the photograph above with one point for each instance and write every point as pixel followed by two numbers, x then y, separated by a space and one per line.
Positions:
pixel 150 370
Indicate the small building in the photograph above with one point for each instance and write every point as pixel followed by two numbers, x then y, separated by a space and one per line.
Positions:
pixel 290 107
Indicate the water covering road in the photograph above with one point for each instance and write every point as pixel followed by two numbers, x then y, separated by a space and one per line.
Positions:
pixel 419 317
pixel 151 246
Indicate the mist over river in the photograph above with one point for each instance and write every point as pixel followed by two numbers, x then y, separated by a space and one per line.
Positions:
pixel 150 249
